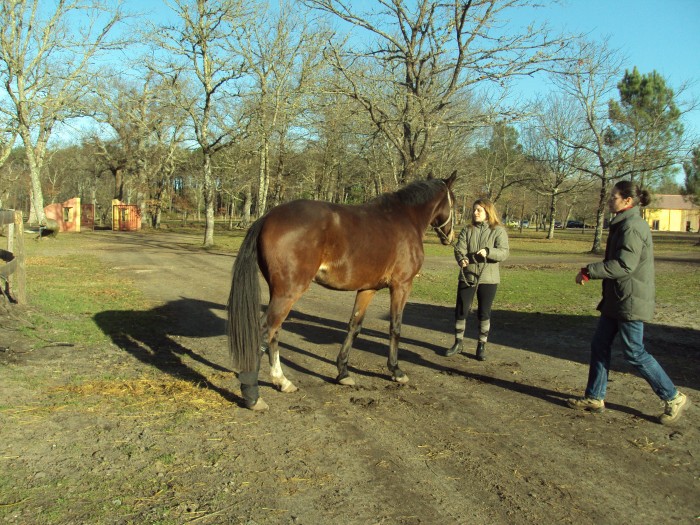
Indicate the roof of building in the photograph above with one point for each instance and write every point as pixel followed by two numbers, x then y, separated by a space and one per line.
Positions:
pixel 672 202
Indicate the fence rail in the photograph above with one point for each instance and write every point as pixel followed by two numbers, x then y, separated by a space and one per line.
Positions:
pixel 13 272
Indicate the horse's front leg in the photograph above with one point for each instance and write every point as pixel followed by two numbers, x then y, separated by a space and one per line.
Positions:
pixel 362 300
pixel 399 296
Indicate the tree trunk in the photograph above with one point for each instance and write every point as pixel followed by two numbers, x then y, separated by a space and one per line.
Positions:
pixel 247 203
pixel 598 236
pixel 231 212
pixel 552 214
pixel 208 190
pixel 118 183
pixel 263 178
pixel 37 197
pixel 35 162
pixel 155 217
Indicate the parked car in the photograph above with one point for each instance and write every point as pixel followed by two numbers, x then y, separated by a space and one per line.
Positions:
pixel 526 224
pixel 574 224
pixel 558 225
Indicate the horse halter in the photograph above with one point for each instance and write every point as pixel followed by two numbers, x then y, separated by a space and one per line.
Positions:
pixel 450 219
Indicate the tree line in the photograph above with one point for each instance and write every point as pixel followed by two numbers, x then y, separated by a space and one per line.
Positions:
pixel 223 109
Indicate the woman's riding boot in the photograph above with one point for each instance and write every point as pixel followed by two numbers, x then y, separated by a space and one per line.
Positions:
pixel 454 349
pixel 481 351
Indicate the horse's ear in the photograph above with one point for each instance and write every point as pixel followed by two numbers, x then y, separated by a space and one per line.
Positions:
pixel 430 175
pixel 451 179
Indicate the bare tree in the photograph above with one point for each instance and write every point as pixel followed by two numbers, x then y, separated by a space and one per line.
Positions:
pixel 547 140
pixel 410 60
pixel 345 150
pixel 46 68
pixel 500 164
pixel 236 166
pixel 282 57
pixel 204 67
pixel 148 137
pixel 591 82
pixel 11 172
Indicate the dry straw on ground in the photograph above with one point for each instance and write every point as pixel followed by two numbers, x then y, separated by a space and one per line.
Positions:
pixel 149 391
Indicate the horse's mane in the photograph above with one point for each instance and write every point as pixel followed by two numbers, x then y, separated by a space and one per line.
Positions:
pixel 416 193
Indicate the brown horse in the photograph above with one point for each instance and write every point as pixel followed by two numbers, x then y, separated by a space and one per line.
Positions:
pixel 364 248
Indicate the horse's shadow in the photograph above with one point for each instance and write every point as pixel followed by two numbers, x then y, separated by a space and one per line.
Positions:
pixel 153 338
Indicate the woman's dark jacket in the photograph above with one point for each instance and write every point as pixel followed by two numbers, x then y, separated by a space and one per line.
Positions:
pixel 628 269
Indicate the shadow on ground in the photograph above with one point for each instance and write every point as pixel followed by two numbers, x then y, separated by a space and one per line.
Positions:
pixel 152 337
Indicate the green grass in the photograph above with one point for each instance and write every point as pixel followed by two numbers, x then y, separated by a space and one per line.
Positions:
pixel 548 286
pixel 679 285
pixel 525 289
pixel 74 287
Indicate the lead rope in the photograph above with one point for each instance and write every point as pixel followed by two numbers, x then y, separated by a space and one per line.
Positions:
pixel 478 276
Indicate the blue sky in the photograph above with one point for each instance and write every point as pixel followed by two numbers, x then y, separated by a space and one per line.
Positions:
pixel 653 35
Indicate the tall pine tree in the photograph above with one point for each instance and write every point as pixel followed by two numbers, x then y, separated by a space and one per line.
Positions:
pixel 645 130
pixel 692 176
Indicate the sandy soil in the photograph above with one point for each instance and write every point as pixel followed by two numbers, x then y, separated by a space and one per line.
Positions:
pixel 151 428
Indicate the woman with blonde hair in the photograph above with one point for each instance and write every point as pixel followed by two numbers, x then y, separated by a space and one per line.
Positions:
pixel 479 249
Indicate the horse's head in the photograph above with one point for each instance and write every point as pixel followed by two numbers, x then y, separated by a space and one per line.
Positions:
pixel 444 219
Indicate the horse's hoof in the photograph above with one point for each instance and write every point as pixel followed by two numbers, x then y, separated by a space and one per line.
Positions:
pixel 259 405
pixel 285 385
pixel 347 381
pixel 288 387
pixel 400 379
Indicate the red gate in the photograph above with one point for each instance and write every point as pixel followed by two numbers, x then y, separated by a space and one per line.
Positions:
pixel 126 217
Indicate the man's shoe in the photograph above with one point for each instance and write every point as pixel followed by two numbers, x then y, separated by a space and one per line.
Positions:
pixel 587 403
pixel 454 349
pixel 481 351
pixel 673 409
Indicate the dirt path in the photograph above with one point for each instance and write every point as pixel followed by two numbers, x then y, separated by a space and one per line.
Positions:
pixel 150 429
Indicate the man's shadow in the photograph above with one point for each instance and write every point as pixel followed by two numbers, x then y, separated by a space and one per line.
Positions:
pixel 568 337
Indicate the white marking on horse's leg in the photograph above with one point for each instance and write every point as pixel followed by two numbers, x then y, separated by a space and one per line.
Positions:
pixel 278 379
pixel 402 380
pixel 347 381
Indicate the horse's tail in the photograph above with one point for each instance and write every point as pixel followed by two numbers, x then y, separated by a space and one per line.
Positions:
pixel 244 304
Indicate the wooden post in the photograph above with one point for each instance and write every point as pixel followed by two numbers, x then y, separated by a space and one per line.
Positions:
pixel 19 278
pixel 15 269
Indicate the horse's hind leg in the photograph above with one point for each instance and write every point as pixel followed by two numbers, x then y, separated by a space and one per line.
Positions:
pixel 362 300
pixel 277 312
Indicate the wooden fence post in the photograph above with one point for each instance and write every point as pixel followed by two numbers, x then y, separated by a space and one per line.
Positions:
pixel 17 275
pixel 19 278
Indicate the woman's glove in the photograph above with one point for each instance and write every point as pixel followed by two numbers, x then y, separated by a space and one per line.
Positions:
pixel 480 256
